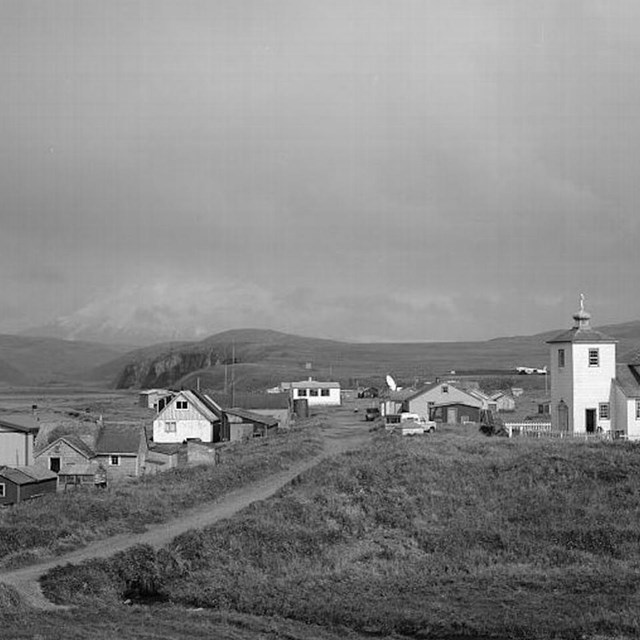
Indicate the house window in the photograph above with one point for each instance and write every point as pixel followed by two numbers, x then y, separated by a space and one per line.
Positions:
pixel 313 392
pixel 169 427
pixel 3 493
pixel 637 409
pixel 182 404
pixel 114 461
pixel 603 411
pixel 560 358
pixel 445 388
pixel 594 358
pixel 324 392
pixel 54 464
pixel 302 392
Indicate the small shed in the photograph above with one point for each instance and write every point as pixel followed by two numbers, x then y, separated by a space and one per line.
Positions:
pixel 18 484
pixel 503 401
pixel 155 399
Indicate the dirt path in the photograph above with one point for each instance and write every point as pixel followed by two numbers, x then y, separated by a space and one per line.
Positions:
pixel 347 431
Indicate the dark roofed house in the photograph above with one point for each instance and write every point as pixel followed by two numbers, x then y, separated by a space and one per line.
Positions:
pixel 24 483
pixel 122 449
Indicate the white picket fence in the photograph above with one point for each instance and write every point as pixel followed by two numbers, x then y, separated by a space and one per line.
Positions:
pixel 544 430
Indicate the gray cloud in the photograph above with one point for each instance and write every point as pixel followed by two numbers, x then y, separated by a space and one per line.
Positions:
pixel 429 155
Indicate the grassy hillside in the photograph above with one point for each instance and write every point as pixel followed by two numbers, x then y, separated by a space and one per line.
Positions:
pixel 448 536
pixel 264 358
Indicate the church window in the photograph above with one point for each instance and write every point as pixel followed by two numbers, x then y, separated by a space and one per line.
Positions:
pixel 560 358
pixel 594 358
pixel 604 411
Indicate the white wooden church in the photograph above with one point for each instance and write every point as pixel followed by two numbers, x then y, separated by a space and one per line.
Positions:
pixel 590 391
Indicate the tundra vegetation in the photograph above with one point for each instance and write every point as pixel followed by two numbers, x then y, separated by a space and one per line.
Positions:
pixel 453 535
pixel 55 524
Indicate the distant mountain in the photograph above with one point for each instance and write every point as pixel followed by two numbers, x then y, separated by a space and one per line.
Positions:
pixel 37 360
pixel 264 357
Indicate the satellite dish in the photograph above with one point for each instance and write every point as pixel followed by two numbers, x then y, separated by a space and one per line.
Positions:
pixel 391 383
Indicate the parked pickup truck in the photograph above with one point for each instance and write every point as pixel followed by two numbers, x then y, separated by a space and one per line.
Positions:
pixel 411 424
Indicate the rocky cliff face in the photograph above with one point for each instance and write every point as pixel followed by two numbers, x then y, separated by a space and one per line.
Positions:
pixel 164 370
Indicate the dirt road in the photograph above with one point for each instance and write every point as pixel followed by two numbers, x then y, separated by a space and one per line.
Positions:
pixel 347 431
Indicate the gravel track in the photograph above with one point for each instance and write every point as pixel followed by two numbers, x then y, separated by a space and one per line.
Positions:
pixel 347 431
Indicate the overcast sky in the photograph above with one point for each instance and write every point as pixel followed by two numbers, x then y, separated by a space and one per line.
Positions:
pixel 355 169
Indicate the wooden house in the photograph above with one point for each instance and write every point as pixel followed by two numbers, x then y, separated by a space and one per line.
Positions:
pixel 16 442
pixel 122 449
pixel 440 394
pixel 67 450
pixel 191 415
pixel 502 401
pixel 317 393
pixel 25 483
pixel 456 412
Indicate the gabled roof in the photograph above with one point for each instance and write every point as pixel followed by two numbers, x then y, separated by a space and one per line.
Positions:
pixel 628 380
pixel 75 442
pixel 204 403
pixel 119 438
pixel 432 386
pixel 26 475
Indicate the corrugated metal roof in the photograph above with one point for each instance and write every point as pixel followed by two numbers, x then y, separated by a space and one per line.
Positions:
pixel 119 438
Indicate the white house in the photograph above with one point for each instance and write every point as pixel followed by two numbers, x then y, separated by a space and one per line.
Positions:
pixel 440 393
pixel 17 438
pixel 590 391
pixel 190 415
pixel 316 393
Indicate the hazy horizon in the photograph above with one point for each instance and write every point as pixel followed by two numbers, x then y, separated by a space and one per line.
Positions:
pixel 363 170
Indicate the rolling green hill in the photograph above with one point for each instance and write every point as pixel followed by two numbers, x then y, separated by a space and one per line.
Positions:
pixel 263 358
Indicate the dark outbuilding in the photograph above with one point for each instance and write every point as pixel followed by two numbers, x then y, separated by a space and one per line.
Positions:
pixel 18 484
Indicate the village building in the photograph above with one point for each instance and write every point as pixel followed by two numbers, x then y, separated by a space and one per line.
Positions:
pixel 443 394
pixel 119 448
pixel 155 399
pixel 590 392
pixel 25 483
pixel 17 439
pixel 455 412
pixel 502 402
pixel 316 393
pixel 191 415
